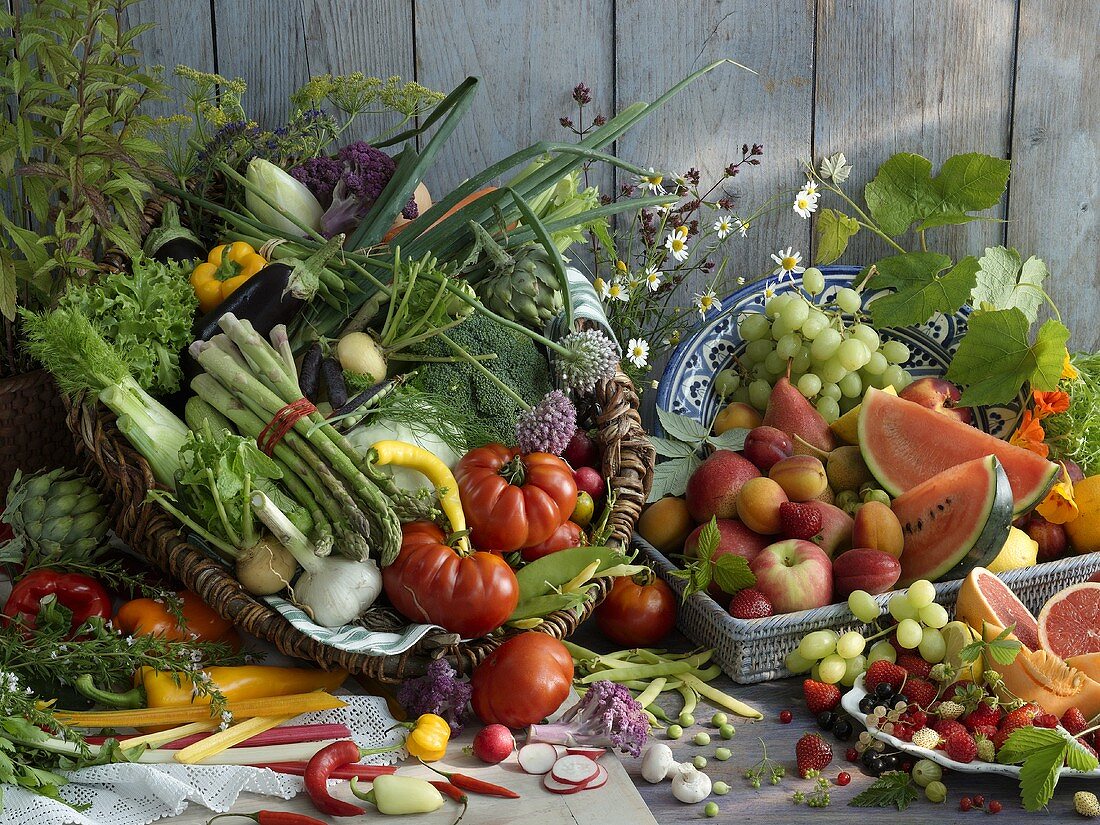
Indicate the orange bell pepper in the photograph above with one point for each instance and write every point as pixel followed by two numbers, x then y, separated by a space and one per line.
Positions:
pixel 151 618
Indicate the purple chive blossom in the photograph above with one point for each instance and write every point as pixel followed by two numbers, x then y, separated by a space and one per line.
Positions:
pixel 548 426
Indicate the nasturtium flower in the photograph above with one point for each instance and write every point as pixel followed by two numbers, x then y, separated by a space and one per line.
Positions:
pixel 1030 435
pixel 1049 403
pixel 1068 370
pixel 1059 507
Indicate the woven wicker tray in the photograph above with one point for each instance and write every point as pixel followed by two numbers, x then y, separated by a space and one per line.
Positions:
pixel 753 650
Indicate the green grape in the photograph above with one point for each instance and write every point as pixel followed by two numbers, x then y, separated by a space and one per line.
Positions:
pixel 815 672
pixel 775 364
pixel 848 300
pixel 814 324
pixel 809 385
pixel 828 408
pixel 759 393
pixel 850 645
pixel 881 651
pixel 813 280
pixel 831 390
pixel 825 344
pixel 775 304
pixel 852 354
pixel 753 327
pixel 797 663
pixel 932 647
pixel 762 372
pixel 901 608
pixel 741 394
pixel 818 644
pixel 921 593
pixel 757 351
pixel 726 381
pixel 781 327
pixel 801 361
pixel 894 376
pixel 832 371
pixel 851 386
pixel 896 352
pixel 796 311
pixel 909 633
pixel 906 380
pixel 831 669
pixel 863 606
pixel 933 615
pixel 789 345
pixel 876 364
pixel 853 667
pixel 866 334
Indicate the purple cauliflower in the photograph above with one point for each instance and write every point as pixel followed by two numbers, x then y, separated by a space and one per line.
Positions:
pixel 607 717
pixel 438 691
pixel 548 426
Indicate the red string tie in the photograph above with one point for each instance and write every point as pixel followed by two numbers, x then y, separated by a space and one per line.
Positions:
pixel 282 423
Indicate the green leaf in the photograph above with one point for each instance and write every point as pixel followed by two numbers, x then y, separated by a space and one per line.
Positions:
pixel 995 357
pixel 1078 758
pixel 731 572
pixel 834 230
pixel 1004 651
pixel 681 427
pixel 733 439
pixel 1004 283
pixel 972 181
pixel 670 478
pixel 7 284
pixel 947 219
pixel 1039 774
pixel 902 192
pixel 668 448
pixel 709 539
pixel 892 788
pixel 920 291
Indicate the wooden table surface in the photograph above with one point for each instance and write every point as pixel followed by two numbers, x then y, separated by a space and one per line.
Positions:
pixel 617 802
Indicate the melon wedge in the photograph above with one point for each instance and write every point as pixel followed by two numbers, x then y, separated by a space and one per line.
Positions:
pixel 904 444
pixel 1088 663
pixel 1069 623
pixel 984 600
pixel 1042 677
pixel 955 521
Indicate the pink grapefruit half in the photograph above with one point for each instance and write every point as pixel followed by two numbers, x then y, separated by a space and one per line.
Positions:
pixel 986 600
pixel 1069 623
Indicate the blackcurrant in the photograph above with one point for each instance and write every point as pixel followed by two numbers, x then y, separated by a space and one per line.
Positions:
pixel 876 766
pixel 890 762
pixel 884 690
pixel 825 719
pixel 867 703
pixel 842 729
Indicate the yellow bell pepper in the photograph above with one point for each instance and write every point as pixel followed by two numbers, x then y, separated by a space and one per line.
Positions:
pixel 225 269
pixel 414 457
pixel 428 738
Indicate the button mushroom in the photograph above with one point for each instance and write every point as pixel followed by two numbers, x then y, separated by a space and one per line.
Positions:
pixel 690 785
pixel 658 763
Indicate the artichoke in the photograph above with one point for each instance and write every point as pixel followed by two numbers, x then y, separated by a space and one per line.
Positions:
pixel 55 516
pixel 522 287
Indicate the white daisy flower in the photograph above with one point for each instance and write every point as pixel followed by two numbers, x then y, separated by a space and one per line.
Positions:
pixel 652 180
pixel 637 352
pixel 788 262
pixel 601 288
pixel 652 278
pixel 810 189
pixel 707 301
pixel 769 291
pixel 676 244
pixel 663 209
pixel 723 226
pixel 742 227
pixel 617 291
pixel 805 205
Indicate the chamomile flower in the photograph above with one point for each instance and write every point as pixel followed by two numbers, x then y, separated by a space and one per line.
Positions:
pixel 788 263
pixel 769 291
pixel 805 204
pixel 652 278
pixel 740 280
pixel 676 243
pixel 724 226
pixel 742 227
pixel 617 291
pixel 637 352
pixel 810 189
pixel 652 180
pixel 707 301
pixel 600 286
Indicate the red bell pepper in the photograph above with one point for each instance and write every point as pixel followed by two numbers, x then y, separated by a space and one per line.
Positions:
pixel 81 594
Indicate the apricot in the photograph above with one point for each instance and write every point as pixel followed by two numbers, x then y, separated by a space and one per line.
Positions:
pixel 758 505
pixel 666 524
pixel 736 415
pixel 878 528
pixel 802 477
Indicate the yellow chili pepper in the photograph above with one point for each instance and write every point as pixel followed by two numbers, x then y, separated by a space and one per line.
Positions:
pixel 439 474
pixel 226 268
pixel 428 738
pixel 164 689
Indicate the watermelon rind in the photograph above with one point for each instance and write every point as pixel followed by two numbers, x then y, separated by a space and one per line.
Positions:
pixel 937 552
pixel 904 444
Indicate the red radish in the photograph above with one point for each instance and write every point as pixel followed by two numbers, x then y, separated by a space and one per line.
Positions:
pixel 599 781
pixel 537 758
pixel 591 753
pixel 561 751
pixel 589 481
pixel 493 744
pixel 575 770
pixel 582 451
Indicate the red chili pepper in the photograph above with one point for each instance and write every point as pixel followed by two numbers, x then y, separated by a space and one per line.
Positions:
pixel 367 772
pixel 474 785
pixel 274 818
pixel 455 793
pixel 81 594
pixel 320 768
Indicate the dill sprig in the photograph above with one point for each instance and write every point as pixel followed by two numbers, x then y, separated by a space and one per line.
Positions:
pixel 1075 434
pixel 428 410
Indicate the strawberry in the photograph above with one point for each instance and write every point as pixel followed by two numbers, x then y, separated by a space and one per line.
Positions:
pixel 986 751
pixel 750 603
pixel 914 665
pixel 920 692
pixel 1074 721
pixel 799 521
pixel 1087 746
pixel 926 738
pixel 820 697
pixel 947 727
pixel 950 710
pixel 883 671
pixel 813 754
pixel 981 716
pixel 988 731
pixel 961 747
pixel 1022 717
pixel 1045 720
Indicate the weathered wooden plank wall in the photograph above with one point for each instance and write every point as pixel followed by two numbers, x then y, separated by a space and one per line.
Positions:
pixel 866 77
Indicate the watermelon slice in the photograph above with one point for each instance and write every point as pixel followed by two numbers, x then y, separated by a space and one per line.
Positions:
pixel 904 444
pixel 955 521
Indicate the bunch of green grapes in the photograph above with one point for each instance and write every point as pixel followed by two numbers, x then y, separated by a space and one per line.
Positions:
pixel 832 657
pixel 834 355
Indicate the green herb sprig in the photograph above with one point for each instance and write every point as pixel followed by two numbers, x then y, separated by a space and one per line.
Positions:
pixel 729 571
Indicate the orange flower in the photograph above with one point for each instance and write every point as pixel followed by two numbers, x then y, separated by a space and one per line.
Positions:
pixel 1030 435
pixel 1050 403
pixel 1059 507
pixel 1068 370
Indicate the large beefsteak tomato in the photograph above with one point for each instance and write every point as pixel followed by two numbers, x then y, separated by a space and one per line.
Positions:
pixel 512 500
pixel 638 612
pixel 471 595
pixel 523 681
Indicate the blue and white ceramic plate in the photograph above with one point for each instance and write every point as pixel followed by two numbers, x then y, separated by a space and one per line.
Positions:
pixel 687 386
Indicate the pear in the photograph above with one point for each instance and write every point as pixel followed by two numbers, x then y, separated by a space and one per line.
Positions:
pixel 789 411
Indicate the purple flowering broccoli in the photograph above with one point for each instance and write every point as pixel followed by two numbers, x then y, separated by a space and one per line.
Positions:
pixel 548 426
pixel 607 717
pixel 438 691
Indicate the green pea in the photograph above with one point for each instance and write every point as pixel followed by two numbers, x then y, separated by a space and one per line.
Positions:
pixel 711 810
pixel 701 739
pixel 727 731
pixel 720 788
pixel 722 754
pixel 719 719
pixel 686 719
pixel 699 761
pixel 674 731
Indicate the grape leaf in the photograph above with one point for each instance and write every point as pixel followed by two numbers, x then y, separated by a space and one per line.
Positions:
pixel 902 192
pixel 995 357
pixel 892 788
pixel 681 427
pixel 920 291
pixel 834 230
pixel 1004 283
pixel 970 182
pixel 731 572
pixel 949 219
pixel 670 478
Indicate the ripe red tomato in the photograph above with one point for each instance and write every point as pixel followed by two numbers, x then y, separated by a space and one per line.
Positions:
pixel 638 612
pixel 567 535
pixel 512 500
pixel 523 681
pixel 430 582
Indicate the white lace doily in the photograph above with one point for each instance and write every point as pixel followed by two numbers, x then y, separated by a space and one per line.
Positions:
pixel 133 794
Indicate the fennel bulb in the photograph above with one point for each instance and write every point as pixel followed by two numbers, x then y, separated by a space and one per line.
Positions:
pixel 273 189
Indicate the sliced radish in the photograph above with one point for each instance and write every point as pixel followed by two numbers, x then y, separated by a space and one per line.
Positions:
pixel 537 758
pixel 575 770
pixel 599 781
pixel 591 753
pixel 554 786
pixel 561 750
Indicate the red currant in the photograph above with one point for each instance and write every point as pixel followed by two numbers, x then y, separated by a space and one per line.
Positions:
pixel 965 804
pixel 785 717
pixel 994 807
pixel 843 778
pixel 979 800
pixel 852 755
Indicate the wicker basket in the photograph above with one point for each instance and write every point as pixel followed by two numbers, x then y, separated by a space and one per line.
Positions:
pixel 33 435
pixel 753 650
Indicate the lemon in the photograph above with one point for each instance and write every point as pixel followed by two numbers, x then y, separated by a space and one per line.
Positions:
pixel 846 428
pixel 1020 550
pixel 956 636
